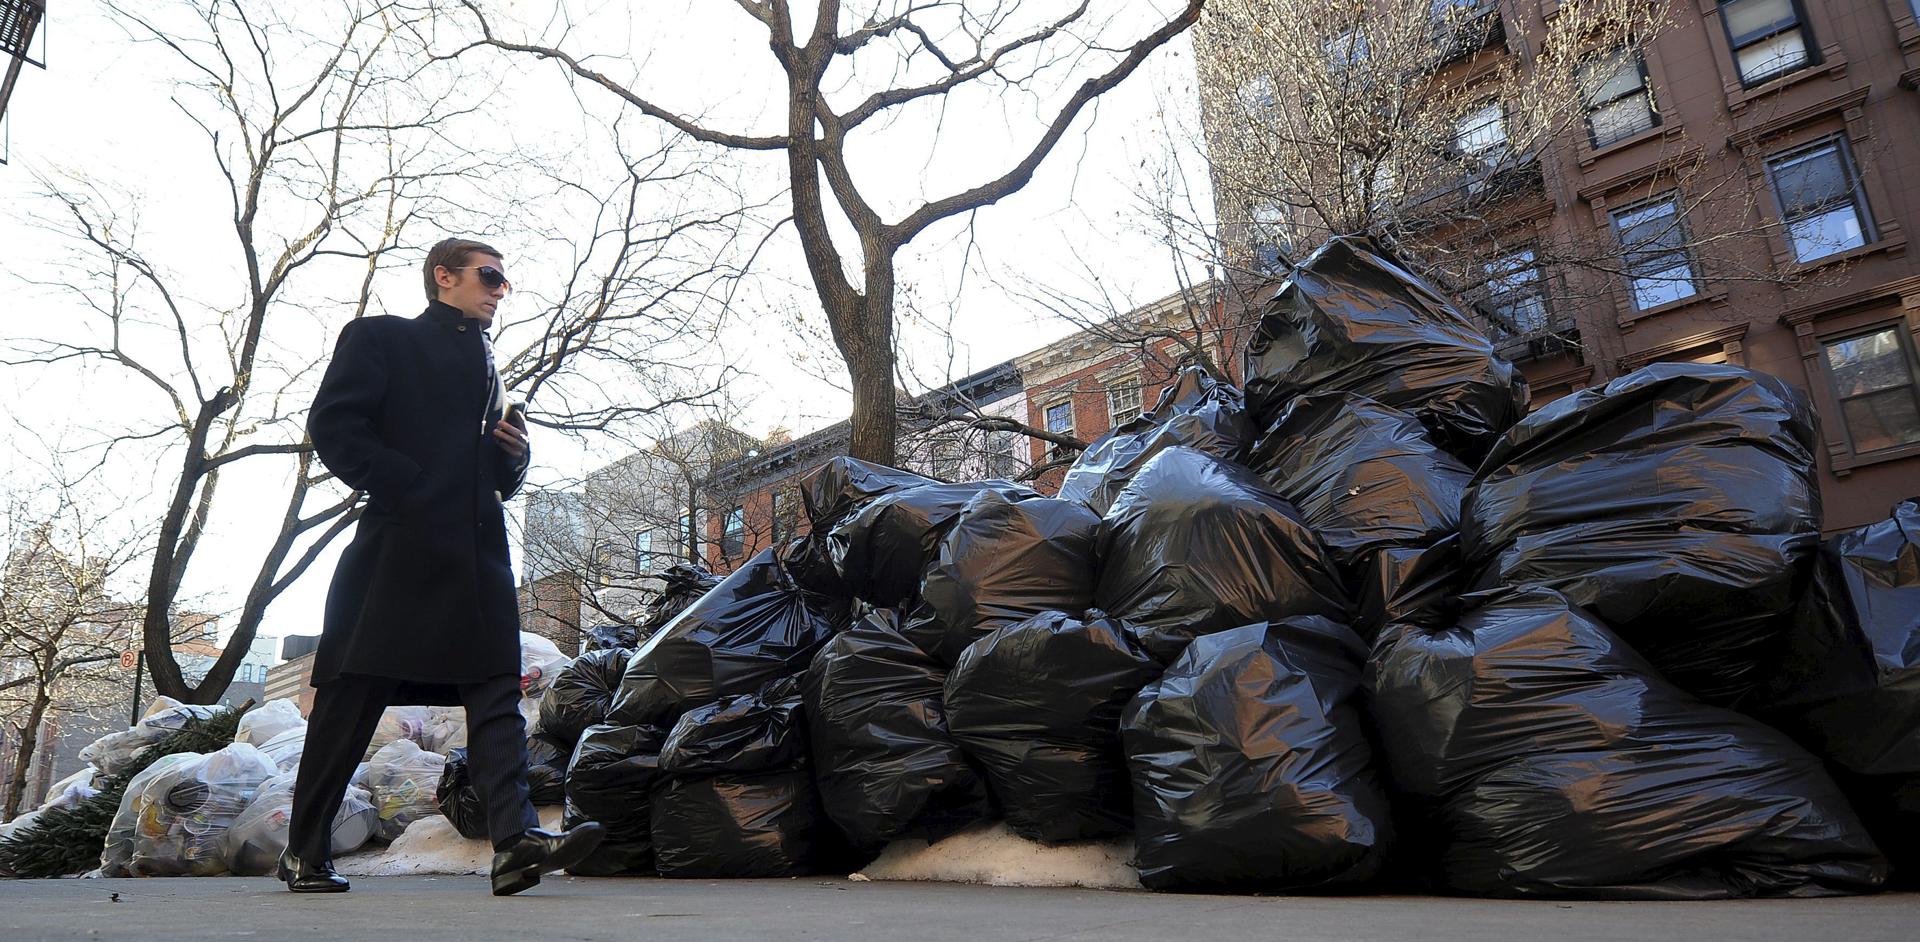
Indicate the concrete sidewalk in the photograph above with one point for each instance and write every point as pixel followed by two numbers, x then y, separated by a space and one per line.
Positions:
pixel 458 909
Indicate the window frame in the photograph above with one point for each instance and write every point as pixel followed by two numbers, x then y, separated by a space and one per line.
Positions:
pixel 643 551
pixel 1499 268
pixel 1734 44
pixel 1903 339
pixel 1488 153
pixel 1265 241
pixel 1856 194
pixel 1046 417
pixel 1680 220
pixel 1003 455
pixel 780 513
pixel 733 532
pixel 1139 402
pixel 1644 92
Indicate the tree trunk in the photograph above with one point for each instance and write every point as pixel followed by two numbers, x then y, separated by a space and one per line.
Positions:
pixel 869 356
pixel 23 762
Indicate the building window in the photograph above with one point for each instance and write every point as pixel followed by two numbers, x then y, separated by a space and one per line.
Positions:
pixel 1003 460
pixel 643 552
pixel 733 536
pixel 1123 401
pixel 948 456
pixel 1514 297
pixel 1821 204
pixel 1769 37
pixel 1653 244
pixel 1874 377
pixel 1060 418
pixel 685 535
pixel 1619 103
pixel 1481 132
pixel 783 516
pixel 1269 239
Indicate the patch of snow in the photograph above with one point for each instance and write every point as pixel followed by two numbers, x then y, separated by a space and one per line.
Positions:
pixel 431 846
pixel 992 854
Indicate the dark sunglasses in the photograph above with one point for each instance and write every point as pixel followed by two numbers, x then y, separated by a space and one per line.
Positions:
pixel 490 276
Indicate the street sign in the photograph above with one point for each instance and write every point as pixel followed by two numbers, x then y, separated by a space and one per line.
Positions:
pixel 126 660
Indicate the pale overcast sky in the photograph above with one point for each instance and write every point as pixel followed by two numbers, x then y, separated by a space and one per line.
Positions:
pixel 102 107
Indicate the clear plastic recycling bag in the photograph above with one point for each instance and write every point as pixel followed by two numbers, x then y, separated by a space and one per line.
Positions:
pixel 174 817
pixel 259 835
pixel 402 779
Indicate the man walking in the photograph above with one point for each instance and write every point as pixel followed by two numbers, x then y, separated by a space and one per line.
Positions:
pixel 422 607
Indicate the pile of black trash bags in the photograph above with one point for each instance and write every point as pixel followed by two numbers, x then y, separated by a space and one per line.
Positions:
pixel 1364 625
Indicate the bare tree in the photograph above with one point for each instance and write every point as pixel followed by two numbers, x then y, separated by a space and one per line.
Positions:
pixel 61 628
pixel 897 55
pixel 344 148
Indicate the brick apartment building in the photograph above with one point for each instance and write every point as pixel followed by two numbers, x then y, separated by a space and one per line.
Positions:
pixel 1809 114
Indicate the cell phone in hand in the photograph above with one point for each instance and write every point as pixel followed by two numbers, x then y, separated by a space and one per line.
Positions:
pixel 517 415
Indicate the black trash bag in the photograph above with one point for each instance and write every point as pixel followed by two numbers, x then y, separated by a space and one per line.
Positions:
pixel 1197 411
pixel 1369 480
pixel 883 549
pixel 1037 705
pixel 611 637
pixel 754 732
pixel 766 824
pixel 547 758
pixel 1005 561
pixel 1353 319
pixel 808 561
pixel 1551 760
pixel 1848 683
pixel 684 584
pixel 885 764
pixel 1198 545
pixel 611 775
pixel 828 495
pixel 755 627
pixel 581 694
pixel 1678 504
pixel 459 798
pixel 1252 772
pixel 833 491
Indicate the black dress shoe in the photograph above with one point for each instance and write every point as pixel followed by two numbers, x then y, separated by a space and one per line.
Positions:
pixel 536 852
pixel 303 877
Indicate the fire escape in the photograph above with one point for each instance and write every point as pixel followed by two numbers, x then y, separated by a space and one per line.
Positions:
pixel 18 21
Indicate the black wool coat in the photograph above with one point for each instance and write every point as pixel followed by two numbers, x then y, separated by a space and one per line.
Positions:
pixel 424 592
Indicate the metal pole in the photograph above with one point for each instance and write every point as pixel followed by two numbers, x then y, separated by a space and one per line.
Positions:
pixel 139 667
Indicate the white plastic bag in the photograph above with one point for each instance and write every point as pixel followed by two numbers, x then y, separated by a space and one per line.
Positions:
pixel 285 749
pixel 446 729
pixel 72 790
pixel 111 753
pixel 402 778
pixel 259 836
pixel 398 723
pixel 268 720
pixel 174 817
pixel 540 662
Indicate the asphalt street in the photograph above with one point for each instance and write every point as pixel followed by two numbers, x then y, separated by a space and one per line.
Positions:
pixel 458 909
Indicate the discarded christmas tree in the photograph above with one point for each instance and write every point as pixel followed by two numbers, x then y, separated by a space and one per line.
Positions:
pixel 69 840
